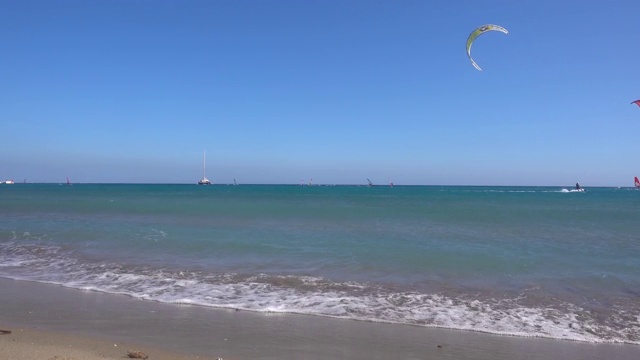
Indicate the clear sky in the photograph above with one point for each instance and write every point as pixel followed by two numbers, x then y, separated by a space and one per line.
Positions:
pixel 337 91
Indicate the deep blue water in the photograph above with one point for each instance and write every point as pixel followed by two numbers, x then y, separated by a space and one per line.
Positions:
pixel 530 261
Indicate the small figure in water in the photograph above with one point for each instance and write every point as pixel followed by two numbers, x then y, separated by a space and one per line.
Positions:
pixel 577 186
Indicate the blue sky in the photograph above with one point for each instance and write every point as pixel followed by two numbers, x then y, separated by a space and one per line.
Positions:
pixel 336 91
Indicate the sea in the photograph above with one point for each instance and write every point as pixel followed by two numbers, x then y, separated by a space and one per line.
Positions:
pixel 518 261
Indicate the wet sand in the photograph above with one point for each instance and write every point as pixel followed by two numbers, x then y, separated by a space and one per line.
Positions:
pixel 49 320
pixel 30 344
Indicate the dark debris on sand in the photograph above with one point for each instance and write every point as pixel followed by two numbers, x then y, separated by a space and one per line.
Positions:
pixel 137 355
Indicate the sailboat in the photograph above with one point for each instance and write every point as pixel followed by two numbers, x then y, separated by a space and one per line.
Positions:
pixel 636 182
pixel 68 182
pixel 204 180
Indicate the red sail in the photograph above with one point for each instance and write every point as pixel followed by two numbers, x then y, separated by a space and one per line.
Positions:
pixel 637 182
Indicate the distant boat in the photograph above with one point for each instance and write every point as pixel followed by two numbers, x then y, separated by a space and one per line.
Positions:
pixel 234 182
pixel 578 188
pixel 572 190
pixel 370 183
pixel 68 182
pixel 8 182
pixel 204 180
pixel 636 182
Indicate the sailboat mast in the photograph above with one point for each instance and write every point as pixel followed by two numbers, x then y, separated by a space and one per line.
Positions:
pixel 204 180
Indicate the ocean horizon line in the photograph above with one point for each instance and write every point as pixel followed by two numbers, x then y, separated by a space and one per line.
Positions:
pixel 319 184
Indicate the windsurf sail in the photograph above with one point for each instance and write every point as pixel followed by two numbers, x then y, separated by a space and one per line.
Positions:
pixel 636 182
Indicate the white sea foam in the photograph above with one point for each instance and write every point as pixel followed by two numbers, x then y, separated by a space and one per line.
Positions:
pixel 318 296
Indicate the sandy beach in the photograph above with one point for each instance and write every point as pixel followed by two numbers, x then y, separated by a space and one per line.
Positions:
pixel 31 344
pixel 49 320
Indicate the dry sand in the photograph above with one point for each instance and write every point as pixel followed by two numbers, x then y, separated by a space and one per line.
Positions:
pixel 29 344
pixel 49 320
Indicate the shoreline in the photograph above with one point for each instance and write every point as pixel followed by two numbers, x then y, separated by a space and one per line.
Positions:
pixel 45 318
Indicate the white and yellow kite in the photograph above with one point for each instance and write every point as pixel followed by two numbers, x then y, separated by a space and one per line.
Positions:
pixel 477 32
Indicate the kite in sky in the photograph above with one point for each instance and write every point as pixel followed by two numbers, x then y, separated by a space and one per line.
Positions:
pixel 477 32
pixel 637 102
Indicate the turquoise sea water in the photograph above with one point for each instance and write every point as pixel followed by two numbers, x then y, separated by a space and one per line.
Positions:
pixel 528 261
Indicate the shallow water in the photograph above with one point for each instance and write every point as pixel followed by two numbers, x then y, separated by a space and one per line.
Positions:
pixel 530 261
